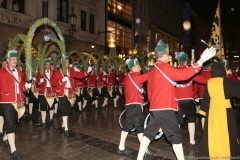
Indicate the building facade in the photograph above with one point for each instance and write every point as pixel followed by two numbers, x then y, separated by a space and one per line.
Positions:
pixel 166 24
pixel 16 16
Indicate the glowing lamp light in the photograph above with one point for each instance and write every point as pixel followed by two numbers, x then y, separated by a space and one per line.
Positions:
pixel 111 45
pixel 111 40
pixel 186 25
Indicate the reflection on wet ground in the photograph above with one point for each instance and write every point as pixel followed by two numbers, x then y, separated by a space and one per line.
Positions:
pixel 96 137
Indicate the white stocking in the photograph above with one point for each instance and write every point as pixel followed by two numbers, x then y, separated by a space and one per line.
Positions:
pixel 80 105
pixel 30 106
pixel 11 140
pixel 122 140
pixel 51 112
pixel 65 120
pixel 143 147
pixel 191 130
pixel 43 115
pixel 1 123
pixel 203 121
pixel 55 108
pixel 178 150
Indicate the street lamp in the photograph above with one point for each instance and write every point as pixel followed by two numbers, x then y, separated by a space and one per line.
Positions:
pixel 73 19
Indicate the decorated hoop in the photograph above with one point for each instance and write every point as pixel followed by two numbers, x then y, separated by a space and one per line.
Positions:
pixel 145 125
pixel 120 120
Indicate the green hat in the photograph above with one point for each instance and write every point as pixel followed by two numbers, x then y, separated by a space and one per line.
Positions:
pixel 47 61
pixel 161 47
pixel 132 62
pixel 80 65
pixel 12 53
pixel 111 66
pixel 181 57
pixel 207 64
pixel 52 64
pixel 4 59
pixel 66 58
pixel 94 68
pixel 75 64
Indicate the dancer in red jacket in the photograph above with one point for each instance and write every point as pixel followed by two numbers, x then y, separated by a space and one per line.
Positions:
pixel 162 110
pixel 185 97
pixel 13 84
pixel 66 91
pixel 133 105
pixel 46 92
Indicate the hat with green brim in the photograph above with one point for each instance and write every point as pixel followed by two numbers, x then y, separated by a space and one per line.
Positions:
pixel 4 59
pixel 207 64
pixel 161 47
pixel 47 61
pixel 75 64
pixel 132 62
pixel 111 66
pixel 12 53
pixel 80 65
pixel 52 64
pixel 181 57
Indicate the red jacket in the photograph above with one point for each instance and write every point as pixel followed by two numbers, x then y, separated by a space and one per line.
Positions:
pixel 110 79
pixel 101 82
pixel 132 95
pixel 233 76
pixel 56 80
pixel 92 80
pixel 80 83
pixel 161 93
pixel 8 93
pixel 42 86
pixel 187 93
pixel 200 87
pixel 195 90
pixel 121 79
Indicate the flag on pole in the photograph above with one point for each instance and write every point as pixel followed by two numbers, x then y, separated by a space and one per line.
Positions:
pixel 216 40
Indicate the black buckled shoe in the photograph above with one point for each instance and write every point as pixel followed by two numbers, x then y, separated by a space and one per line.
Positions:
pixel 15 155
pixel 43 125
pixel 125 151
pixel 150 152
pixel 6 144
pixel 51 121
pixel 68 133
pixel 194 146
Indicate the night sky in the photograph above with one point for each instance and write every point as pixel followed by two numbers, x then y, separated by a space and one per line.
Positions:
pixel 230 16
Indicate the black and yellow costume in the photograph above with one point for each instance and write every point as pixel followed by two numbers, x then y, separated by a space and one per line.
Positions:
pixel 219 139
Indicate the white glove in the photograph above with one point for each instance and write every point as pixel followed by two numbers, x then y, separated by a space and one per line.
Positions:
pixel 41 80
pixel 89 69
pixel 117 78
pixel 34 79
pixel 28 85
pixel 65 79
pixel 229 71
pixel 104 79
pixel 208 53
pixel 76 69
pixel 197 99
pixel 104 73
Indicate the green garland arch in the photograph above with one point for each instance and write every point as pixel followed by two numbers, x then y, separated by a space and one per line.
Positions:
pixel 29 39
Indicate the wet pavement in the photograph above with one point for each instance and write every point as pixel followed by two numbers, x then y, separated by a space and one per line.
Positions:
pixel 96 137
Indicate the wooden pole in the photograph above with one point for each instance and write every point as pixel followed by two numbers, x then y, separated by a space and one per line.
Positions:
pixel 220 30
